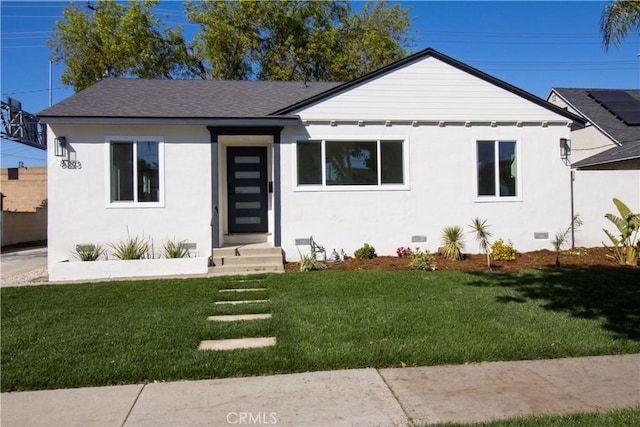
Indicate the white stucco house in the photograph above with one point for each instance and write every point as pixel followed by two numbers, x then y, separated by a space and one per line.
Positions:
pixel 389 159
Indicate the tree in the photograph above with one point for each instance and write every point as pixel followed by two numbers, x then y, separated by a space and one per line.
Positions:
pixel 298 40
pixel 118 40
pixel 265 40
pixel 618 18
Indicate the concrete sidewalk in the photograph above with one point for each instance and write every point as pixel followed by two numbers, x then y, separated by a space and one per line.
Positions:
pixel 362 397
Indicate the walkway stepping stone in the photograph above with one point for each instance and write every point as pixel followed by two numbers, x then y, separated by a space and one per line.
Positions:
pixel 239 317
pixel 249 301
pixel 236 344
pixel 244 290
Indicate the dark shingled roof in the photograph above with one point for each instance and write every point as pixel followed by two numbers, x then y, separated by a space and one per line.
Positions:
pixel 627 136
pixel 184 98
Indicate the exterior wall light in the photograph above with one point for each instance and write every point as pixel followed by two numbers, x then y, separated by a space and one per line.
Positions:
pixel 60 146
pixel 565 149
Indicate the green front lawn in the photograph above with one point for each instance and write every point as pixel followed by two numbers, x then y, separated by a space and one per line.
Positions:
pixel 130 332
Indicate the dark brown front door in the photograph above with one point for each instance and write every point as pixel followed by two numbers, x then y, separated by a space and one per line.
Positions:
pixel 247 189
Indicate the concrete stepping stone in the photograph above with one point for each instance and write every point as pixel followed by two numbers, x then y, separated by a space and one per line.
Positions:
pixel 248 280
pixel 236 344
pixel 244 290
pixel 249 301
pixel 239 317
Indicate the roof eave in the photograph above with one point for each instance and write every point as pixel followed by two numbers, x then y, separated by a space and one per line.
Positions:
pixel 279 120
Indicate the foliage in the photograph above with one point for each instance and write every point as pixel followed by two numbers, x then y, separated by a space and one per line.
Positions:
pixel 453 242
pixel 403 252
pixel 618 18
pixel 131 248
pixel 561 239
pixel 117 40
pixel 422 260
pixel 310 262
pixel 297 40
pixel 175 249
pixel 365 252
pixel 501 251
pixel 482 234
pixel 267 40
pixel 625 246
pixel 89 252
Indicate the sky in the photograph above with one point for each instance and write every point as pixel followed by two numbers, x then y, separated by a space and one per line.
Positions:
pixel 534 45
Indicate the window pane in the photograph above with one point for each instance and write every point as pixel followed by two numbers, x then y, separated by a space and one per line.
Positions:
pixel 246 174
pixel 391 163
pixel 121 171
pixel 486 168
pixel 148 175
pixel 508 168
pixel 309 163
pixel 246 159
pixel 351 163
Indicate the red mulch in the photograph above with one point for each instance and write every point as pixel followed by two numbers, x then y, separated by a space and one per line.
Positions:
pixel 542 259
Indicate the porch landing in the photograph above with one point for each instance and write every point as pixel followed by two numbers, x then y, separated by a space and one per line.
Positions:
pixel 246 259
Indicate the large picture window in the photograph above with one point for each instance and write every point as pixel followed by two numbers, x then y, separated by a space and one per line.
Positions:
pixel 497 169
pixel 350 163
pixel 135 171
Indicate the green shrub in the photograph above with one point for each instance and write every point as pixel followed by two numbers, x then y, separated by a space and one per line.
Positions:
pixel 482 234
pixel 89 252
pixel 422 260
pixel 453 242
pixel 365 252
pixel 501 251
pixel 175 249
pixel 131 248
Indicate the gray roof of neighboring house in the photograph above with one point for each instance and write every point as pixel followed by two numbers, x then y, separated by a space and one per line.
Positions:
pixel 184 98
pixel 628 137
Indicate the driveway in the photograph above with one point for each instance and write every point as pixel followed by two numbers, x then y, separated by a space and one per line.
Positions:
pixel 23 267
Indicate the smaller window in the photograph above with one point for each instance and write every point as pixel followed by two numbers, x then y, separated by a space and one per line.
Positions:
pixel 13 173
pixel 497 168
pixel 391 162
pixel 134 171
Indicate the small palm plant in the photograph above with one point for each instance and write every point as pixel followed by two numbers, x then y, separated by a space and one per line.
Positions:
pixel 561 238
pixel 482 234
pixel 453 242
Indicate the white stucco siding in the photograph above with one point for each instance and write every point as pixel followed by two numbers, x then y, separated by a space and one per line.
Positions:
pixel 441 191
pixel 79 209
pixel 428 90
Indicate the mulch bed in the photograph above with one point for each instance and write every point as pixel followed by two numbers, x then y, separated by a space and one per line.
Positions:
pixel 542 259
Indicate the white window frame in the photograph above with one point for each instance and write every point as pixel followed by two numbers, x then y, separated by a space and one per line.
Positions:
pixel 372 187
pixel 134 140
pixel 497 198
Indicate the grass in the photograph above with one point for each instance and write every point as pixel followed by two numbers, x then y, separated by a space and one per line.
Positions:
pixel 618 417
pixel 130 332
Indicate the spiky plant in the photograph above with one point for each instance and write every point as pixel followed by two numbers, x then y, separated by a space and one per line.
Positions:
pixel 89 252
pixel 175 249
pixel 482 234
pixel 453 242
pixel 561 239
pixel 131 248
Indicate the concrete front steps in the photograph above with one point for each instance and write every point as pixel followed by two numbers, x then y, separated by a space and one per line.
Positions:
pixel 246 259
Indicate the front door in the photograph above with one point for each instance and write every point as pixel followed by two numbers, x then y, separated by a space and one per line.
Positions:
pixel 247 189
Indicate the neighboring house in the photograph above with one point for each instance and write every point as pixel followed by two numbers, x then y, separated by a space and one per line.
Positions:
pixel 24 205
pixel 606 152
pixel 389 159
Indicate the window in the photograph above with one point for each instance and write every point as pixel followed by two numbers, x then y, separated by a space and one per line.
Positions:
pixel 497 168
pixel 350 163
pixel 135 171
